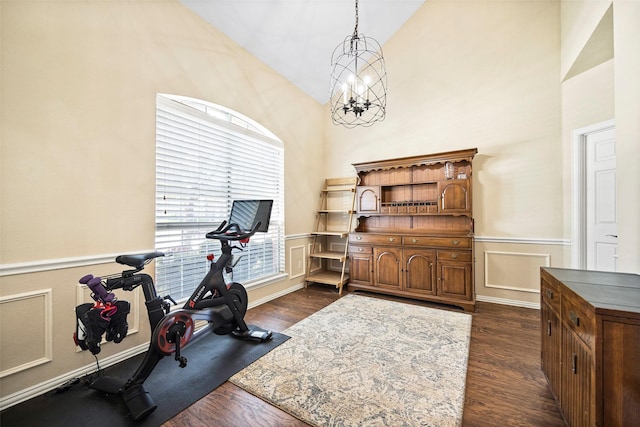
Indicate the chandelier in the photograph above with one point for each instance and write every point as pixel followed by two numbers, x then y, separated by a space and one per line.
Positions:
pixel 358 94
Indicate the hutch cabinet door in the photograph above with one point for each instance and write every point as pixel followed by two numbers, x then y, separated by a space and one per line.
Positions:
pixel 368 199
pixel 387 267
pixel 575 399
pixel 420 271
pixel 455 279
pixel 360 265
pixel 551 342
pixel 454 196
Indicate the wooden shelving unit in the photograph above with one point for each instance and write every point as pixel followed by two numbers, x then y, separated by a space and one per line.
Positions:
pixel 334 219
pixel 414 236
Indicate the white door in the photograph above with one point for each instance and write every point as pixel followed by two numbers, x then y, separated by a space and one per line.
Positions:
pixel 601 207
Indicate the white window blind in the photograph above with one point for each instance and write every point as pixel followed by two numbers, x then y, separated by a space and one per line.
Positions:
pixel 206 157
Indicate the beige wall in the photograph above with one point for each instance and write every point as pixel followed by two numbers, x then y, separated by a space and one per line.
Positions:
pixel 78 89
pixel 626 16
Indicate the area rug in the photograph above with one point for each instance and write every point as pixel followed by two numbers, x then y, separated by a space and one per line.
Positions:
pixel 363 361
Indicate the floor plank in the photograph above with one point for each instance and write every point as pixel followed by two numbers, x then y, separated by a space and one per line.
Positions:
pixel 505 385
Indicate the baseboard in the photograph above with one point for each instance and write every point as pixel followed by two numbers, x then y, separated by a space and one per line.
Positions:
pixel 505 301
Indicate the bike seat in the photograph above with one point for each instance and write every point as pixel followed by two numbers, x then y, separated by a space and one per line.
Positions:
pixel 138 260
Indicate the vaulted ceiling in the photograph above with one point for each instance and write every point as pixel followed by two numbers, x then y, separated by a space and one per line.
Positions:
pixel 297 37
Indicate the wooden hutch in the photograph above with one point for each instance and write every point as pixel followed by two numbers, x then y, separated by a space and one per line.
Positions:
pixel 414 236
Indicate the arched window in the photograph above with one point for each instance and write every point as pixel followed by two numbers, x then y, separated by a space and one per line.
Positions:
pixel 206 157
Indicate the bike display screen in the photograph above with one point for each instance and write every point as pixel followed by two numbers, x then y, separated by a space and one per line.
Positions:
pixel 247 213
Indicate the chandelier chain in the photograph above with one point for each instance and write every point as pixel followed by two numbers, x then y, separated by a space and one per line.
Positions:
pixel 355 30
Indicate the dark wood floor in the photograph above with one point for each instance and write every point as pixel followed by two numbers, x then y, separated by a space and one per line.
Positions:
pixel 505 386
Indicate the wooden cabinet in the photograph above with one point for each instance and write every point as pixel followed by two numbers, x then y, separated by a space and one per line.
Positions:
pixel 415 228
pixel 413 266
pixel 590 345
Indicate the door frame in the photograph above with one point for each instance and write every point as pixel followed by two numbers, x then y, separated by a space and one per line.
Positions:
pixel 579 188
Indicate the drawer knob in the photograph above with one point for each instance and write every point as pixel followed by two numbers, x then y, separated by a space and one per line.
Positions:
pixel 454 255
pixel 358 237
pixel 455 242
pixel 359 249
pixel 414 240
pixel 391 239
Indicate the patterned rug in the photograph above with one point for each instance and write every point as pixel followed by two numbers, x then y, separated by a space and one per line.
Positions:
pixel 363 361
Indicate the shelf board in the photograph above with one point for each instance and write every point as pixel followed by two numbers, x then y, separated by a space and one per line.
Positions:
pixel 330 233
pixel 345 189
pixel 467 214
pixel 343 211
pixel 328 277
pixel 329 255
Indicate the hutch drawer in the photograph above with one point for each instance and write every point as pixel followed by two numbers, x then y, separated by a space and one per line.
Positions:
pixel 444 242
pixel 360 249
pixel 376 239
pixel 579 318
pixel 463 256
pixel 551 294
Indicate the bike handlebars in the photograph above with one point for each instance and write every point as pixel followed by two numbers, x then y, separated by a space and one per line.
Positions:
pixel 226 232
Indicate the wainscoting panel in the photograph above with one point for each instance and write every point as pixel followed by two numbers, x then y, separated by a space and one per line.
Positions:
pixel 514 271
pixel 31 313
pixel 298 261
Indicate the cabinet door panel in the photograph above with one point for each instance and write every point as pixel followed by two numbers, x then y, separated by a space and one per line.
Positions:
pixel 455 279
pixel 387 267
pixel 551 341
pixel 420 271
pixel 576 380
pixel 620 374
pixel 454 196
pixel 361 268
pixel 368 199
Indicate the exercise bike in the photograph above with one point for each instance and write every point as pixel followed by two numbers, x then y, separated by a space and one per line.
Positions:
pixel 222 306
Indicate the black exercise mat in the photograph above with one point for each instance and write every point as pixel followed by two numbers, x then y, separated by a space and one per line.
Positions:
pixel 212 359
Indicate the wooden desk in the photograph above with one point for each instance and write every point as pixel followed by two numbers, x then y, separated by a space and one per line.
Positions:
pixel 590 347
